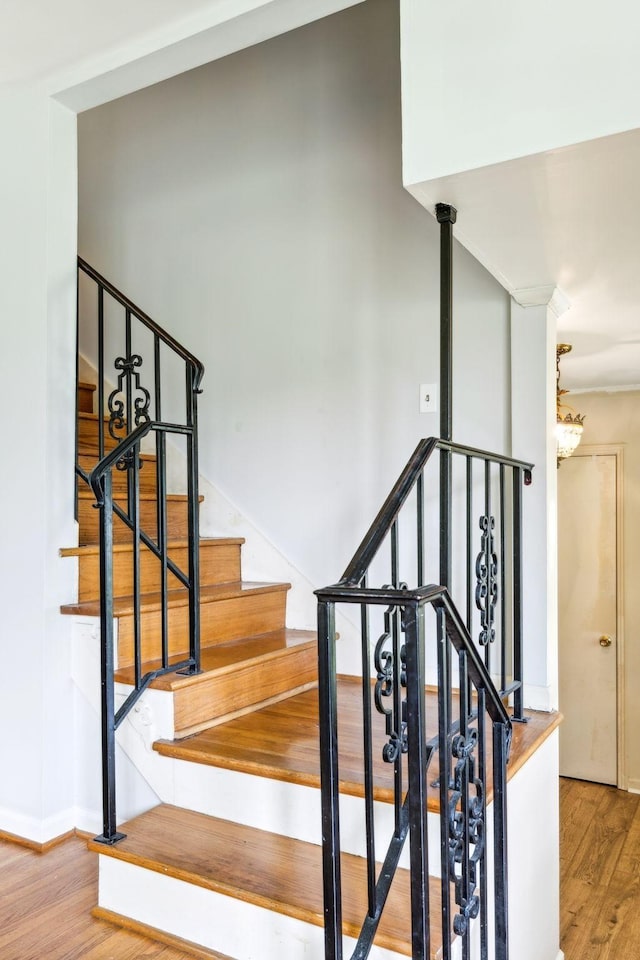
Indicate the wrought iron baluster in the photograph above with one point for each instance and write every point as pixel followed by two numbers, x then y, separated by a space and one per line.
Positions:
pixel 368 756
pixel 134 513
pixel 502 590
pixel 100 372
pixel 469 544
pixel 110 832
pixel 482 774
pixel 193 516
pixel 413 625
pixel 420 527
pixel 487 584
pixel 329 781
pixel 518 698
pixel 444 774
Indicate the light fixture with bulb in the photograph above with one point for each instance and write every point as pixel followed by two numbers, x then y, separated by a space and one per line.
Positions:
pixel 569 424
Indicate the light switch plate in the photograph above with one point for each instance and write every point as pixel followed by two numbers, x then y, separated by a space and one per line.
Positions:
pixel 428 398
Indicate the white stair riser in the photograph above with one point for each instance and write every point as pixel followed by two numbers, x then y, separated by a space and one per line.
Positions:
pixel 290 809
pixel 242 930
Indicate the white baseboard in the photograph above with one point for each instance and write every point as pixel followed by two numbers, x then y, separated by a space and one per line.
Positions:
pixel 633 785
pixel 35 830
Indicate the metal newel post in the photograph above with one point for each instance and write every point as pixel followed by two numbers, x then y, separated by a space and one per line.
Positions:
pixel 446 217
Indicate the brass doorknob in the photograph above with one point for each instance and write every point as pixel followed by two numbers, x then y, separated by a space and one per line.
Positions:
pixel 605 641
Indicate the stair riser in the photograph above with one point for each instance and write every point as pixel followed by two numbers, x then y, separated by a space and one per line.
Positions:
pixel 219 563
pixel 119 478
pixel 88 434
pixel 89 522
pixel 220 621
pixel 218 922
pixel 85 398
pixel 200 705
pixel 290 809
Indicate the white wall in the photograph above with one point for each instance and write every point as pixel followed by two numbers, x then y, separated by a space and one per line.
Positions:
pixel 483 83
pixel 254 208
pixel 37 308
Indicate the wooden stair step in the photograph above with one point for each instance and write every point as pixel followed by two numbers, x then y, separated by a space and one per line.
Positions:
pixel 265 869
pixel 228 611
pixel 89 517
pixel 219 563
pixel 236 677
pixel 280 741
pixel 85 396
pixel 147 475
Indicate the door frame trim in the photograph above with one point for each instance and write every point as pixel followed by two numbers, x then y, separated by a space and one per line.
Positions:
pixel 616 450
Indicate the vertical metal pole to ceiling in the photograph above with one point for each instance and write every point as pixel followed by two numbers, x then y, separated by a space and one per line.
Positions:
pixel 446 216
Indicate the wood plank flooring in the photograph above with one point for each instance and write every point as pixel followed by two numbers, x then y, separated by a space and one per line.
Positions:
pixel 45 910
pixel 599 872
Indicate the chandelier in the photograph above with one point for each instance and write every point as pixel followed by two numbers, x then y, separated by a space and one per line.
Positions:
pixel 569 425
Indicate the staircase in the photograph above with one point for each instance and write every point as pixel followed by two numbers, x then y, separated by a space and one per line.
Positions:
pixel 184 873
pixel 229 863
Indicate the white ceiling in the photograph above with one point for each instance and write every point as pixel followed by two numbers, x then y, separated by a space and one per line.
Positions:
pixel 38 37
pixel 569 218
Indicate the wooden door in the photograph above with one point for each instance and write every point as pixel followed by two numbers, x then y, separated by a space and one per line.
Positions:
pixel 587 616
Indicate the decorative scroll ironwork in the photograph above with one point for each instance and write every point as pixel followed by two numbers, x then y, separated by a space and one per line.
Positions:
pixel 466 830
pixel 385 688
pixel 487 581
pixel 128 367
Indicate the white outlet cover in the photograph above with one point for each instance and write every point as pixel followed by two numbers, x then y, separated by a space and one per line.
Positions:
pixel 428 398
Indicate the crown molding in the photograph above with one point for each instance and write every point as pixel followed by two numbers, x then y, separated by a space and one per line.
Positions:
pixel 551 297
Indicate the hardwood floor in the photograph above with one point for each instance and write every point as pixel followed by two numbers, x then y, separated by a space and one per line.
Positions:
pixel 45 910
pixel 599 872
pixel 46 899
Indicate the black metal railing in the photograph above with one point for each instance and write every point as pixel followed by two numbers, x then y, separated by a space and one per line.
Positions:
pixel 463 728
pixel 131 422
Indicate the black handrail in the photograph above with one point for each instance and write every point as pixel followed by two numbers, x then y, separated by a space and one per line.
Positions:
pixel 151 325
pixel 407 480
pixel 128 414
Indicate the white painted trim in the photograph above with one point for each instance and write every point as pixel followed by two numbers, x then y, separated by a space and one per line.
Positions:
pixel 621 388
pixel 539 698
pixel 633 785
pixel 617 451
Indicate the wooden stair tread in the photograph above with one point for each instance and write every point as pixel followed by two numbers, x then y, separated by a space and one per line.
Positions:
pixel 93 549
pixel 209 593
pixel 88 494
pixel 224 657
pixel 265 869
pixel 85 385
pixel 280 741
